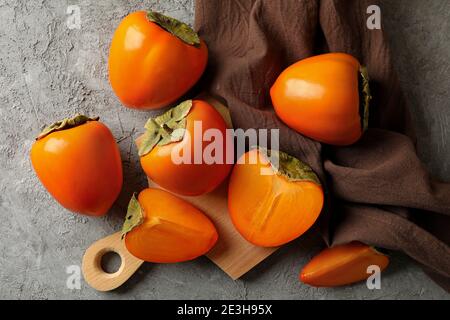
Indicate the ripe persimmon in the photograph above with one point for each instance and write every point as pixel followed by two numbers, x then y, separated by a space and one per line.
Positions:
pixel 342 265
pixel 269 205
pixel 325 97
pixel 78 162
pixel 162 228
pixel 176 155
pixel 154 60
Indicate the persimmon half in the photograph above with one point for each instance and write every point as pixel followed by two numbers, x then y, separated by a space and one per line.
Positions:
pixel 342 265
pixel 154 60
pixel 177 154
pixel 162 228
pixel 78 162
pixel 271 205
pixel 325 97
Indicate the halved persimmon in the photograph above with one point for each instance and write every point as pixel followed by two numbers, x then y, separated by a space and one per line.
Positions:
pixel 272 205
pixel 342 265
pixel 162 228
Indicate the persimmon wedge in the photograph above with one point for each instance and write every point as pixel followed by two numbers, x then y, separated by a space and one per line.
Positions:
pixel 176 153
pixel 78 162
pixel 162 228
pixel 325 97
pixel 269 205
pixel 342 265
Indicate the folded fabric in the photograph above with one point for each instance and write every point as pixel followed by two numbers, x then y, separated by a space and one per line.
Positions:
pixel 378 191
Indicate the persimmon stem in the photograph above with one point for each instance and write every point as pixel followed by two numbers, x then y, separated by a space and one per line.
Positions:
pixel 160 129
pixel 134 216
pixel 65 124
pixel 289 167
pixel 365 97
pixel 179 29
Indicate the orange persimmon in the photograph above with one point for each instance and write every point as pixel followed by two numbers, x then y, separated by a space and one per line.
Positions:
pixel 325 97
pixel 201 165
pixel 269 205
pixel 78 162
pixel 342 265
pixel 162 228
pixel 154 60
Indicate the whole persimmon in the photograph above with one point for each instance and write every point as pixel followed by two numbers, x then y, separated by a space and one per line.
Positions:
pixel 273 197
pixel 325 97
pixel 162 228
pixel 185 150
pixel 154 60
pixel 78 162
pixel 342 265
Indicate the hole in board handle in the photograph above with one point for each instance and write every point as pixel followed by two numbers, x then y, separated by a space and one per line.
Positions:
pixel 110 262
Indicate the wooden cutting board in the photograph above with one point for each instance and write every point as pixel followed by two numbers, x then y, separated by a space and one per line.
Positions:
pixel 232 253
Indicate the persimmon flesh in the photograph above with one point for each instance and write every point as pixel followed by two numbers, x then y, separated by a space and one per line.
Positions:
pixel 162 228
pixel 269 208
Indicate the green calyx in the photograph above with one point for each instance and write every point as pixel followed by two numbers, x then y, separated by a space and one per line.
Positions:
pixel 166 128
pixel 134 217
pixel 66 123
pixel 365 97
pixel 179 29
pixel 289 167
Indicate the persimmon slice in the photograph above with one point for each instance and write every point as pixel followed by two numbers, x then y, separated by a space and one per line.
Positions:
pixel 163 228
pixel 272 206
pixel 342 265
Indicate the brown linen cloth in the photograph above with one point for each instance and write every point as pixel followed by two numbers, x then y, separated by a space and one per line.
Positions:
pixel 378 191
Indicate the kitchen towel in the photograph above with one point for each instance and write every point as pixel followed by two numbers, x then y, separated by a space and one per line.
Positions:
pixel 378 191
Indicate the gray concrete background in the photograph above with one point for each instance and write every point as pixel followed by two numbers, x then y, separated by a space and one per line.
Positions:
pixel 48 71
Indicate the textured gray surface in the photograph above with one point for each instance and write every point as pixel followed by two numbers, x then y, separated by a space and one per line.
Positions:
pixel 48 71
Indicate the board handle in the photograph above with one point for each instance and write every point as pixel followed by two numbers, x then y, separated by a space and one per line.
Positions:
pixel 92 269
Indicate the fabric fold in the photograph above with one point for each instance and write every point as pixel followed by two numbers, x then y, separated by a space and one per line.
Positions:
pixel 378 192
